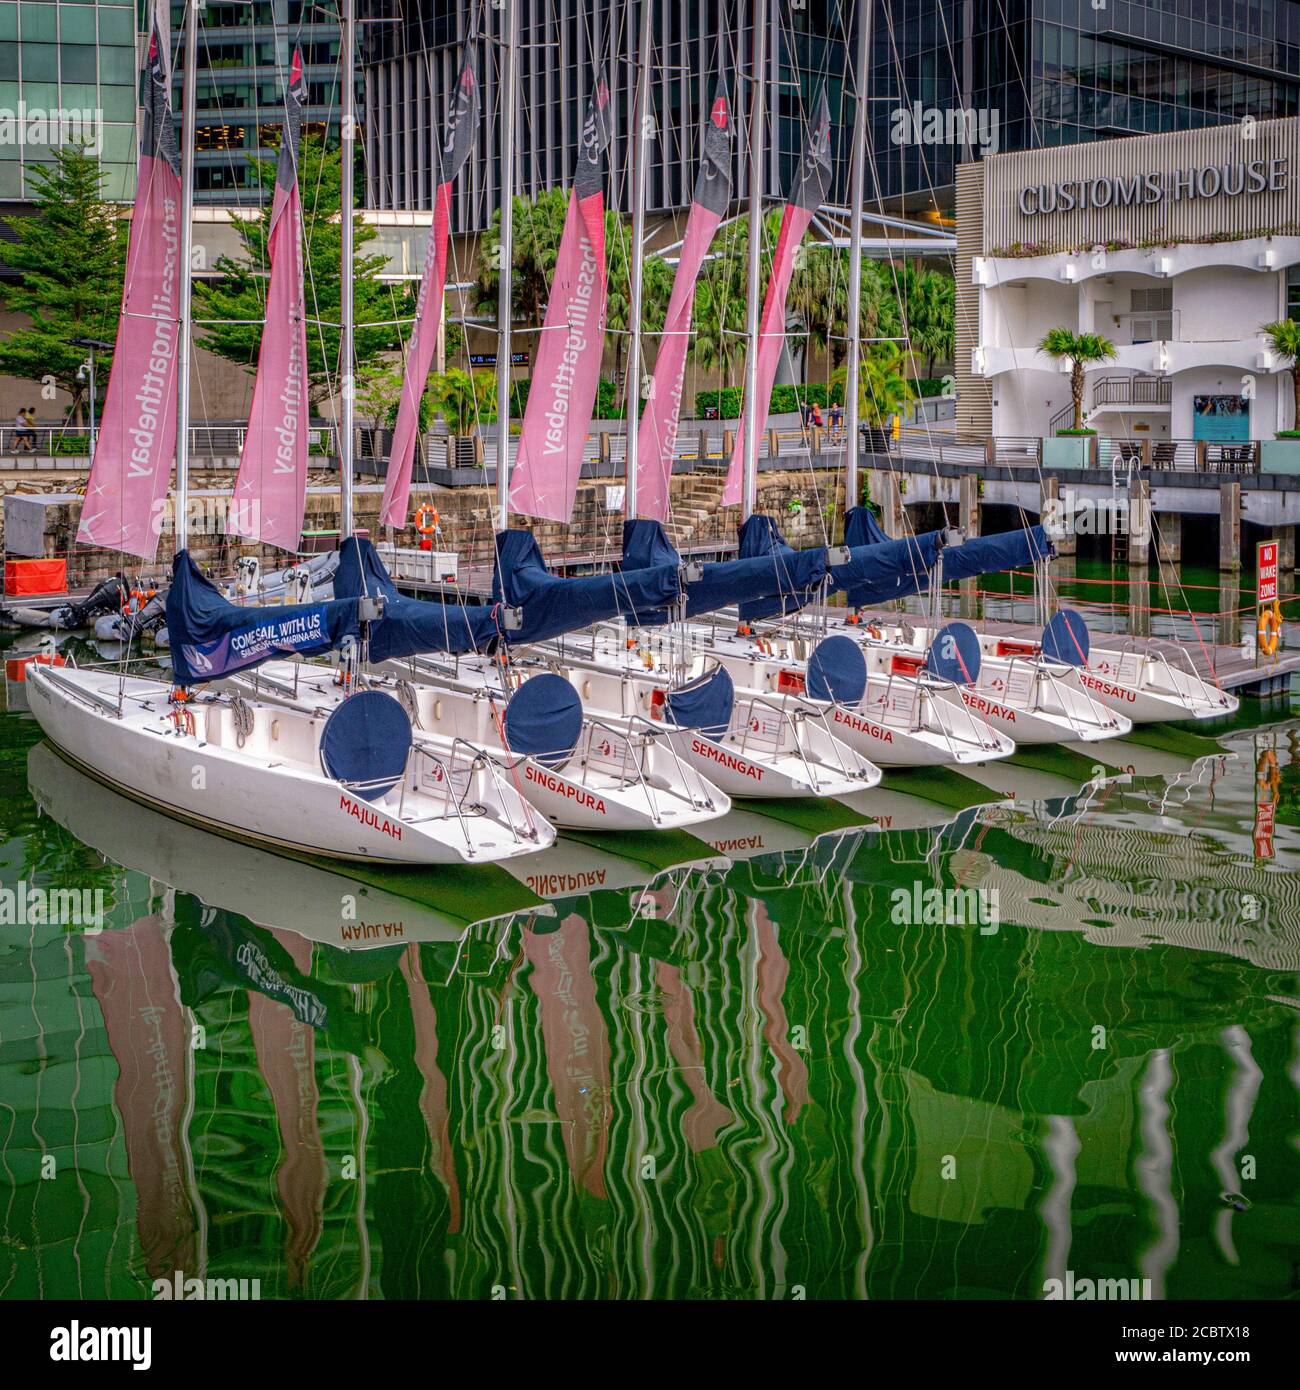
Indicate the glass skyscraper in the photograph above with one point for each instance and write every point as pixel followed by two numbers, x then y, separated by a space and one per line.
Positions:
pixel 67 74
pixel 243 63
pixel 1057 72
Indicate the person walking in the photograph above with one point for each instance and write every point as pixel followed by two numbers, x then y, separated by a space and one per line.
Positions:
pixel 816 416
pixel 837 420
pixel 24 434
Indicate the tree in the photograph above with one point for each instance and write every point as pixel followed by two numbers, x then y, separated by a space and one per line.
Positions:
pixel 819 294
pixel 538 226
pixel 70 257
pixel 240 294
pixel 379 392
pixel 656 288
pixel 465 399
pixel 1284 338
pixel 718 321
pixel 883 387
pixel 931 308
pixel 1078 349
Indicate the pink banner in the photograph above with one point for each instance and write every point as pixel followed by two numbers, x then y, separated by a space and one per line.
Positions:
pixel 562 398
pixel 462 120
pixel 657 436
pixel 271 486
pixel 419 360
pixel 127 489
pixel 566 377
pixel 771 338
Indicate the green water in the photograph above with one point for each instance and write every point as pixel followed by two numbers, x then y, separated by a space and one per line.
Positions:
pixel 747 1075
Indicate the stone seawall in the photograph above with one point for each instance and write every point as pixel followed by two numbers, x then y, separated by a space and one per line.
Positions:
pixel 806 504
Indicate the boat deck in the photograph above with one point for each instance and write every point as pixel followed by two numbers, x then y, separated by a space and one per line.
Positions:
pixel 1224 665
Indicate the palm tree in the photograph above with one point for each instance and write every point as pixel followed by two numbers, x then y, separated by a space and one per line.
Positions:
pixel 883 387
pixel 1284 338
pixel 931 301
pixel 539 226
pixel 718 322
pixel 1077 349
pixel 656 287
pixel 819 295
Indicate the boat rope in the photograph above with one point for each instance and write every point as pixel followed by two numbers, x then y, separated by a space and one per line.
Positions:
pixel 242 715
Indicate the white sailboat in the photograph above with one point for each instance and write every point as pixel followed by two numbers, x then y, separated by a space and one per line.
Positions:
pixel 593 773
pixel 352 785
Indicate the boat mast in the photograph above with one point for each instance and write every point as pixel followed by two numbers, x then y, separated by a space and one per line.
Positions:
pixel 188 85
pixel 347 132
pixel 505 271
pixel 757 117
pixel 852 421
pixel 640 150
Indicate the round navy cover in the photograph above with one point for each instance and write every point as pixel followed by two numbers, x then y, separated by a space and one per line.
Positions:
pixel 954 654
pixel 705 704
pixel 1065 638
pixel 837 671
pixel 366 739
pixel 544 719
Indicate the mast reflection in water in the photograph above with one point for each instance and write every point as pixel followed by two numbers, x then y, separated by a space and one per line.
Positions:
pixel 737 1076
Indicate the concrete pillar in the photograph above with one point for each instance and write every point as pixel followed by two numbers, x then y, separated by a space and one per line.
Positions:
pixel 1051 492
pixel 1168 529
pixel 1139 604
pixel 888 496
pixel 968 504
pixel 1229 618
pixel 1229 526
pixel 1285 547
pixel 1139 522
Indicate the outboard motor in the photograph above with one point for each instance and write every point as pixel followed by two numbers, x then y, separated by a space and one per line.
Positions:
pixel 106 597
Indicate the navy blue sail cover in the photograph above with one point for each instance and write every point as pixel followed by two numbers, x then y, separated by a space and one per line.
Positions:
pixel 954 654
pixel 646 543
pixel 210 637
pixel 1008 550
pixel 366 739
pixel 705 704
pixel 552 606
pixel 1065 638
pixel 723 583
pixel 837 671
pixel 795 576
pixel 410 626
pixel 544 719
pixel 885 570
pixel 862 528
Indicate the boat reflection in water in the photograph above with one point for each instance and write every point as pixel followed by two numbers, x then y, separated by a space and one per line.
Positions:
pixel 763 1067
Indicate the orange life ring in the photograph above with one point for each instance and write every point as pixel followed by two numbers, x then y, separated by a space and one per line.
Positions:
pixel 1269 631
pixel 426 521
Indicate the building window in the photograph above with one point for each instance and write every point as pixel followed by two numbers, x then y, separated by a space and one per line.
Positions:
pixel 1293 293
pixel 1152 316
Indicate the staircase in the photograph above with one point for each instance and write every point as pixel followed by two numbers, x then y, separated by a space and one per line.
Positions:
pixel 695 513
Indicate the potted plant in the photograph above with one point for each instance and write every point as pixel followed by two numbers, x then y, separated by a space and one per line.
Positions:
pixel 1079 350
pixel 1282 454
pixel 465 400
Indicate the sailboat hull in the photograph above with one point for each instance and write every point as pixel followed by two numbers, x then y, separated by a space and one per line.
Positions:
pixel 616 780
pixel 204 778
